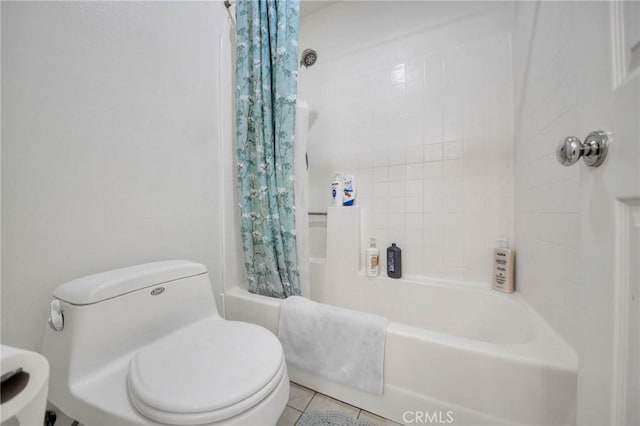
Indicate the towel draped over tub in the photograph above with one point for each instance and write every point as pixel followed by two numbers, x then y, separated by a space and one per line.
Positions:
pixel 339 344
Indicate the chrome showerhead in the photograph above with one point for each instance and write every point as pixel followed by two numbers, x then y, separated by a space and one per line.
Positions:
pixel 309 57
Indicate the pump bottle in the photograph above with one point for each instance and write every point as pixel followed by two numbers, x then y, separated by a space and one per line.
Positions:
pixel 373 259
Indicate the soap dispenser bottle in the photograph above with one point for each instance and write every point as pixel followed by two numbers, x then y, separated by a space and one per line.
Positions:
pixel 503 267
pixel 394 261
pixel 373 259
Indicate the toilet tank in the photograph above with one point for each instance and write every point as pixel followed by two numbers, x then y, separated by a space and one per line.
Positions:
pixel 108 316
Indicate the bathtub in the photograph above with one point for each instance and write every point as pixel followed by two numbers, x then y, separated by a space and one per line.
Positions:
pixel 454 354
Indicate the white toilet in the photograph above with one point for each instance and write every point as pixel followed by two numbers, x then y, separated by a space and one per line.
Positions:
pixel 145 345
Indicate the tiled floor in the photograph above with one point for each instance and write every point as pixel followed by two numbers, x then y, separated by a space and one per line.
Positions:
pixel 303 400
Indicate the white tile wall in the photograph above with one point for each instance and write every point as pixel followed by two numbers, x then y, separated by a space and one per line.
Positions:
pixel 546 194
pixel 424 122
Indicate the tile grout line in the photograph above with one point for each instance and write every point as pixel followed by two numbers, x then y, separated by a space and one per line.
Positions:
pixel 310 399
pixel 298 419
pixel 309 403
pixel 315 393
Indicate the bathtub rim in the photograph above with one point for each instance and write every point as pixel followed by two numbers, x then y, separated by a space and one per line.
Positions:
pixel 547 348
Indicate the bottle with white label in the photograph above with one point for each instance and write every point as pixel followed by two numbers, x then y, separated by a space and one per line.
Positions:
pixel 503 267
pixel 337 194
pixel 373 259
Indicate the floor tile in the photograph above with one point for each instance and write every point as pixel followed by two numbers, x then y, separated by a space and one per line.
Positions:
pixel 289 417
pixel 299 396
pixel 324 403
pixel 380 420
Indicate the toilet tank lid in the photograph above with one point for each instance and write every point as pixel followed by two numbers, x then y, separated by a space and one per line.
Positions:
pixel 106 285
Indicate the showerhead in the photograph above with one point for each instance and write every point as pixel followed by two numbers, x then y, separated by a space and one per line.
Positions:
pixel 309 57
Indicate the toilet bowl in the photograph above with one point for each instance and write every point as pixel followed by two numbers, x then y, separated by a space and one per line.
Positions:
pixel 145 345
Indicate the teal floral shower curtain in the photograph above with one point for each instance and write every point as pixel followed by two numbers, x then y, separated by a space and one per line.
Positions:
pixel 266 86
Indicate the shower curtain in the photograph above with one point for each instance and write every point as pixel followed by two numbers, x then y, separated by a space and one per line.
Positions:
pixel 266 86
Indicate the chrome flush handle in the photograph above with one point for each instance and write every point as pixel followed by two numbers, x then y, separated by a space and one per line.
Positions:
pixel 56 318
pixel 593 150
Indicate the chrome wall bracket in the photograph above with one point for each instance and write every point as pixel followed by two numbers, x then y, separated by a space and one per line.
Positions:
pixel 593 150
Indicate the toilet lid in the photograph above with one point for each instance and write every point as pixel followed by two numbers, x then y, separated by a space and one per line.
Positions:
pixel 207 372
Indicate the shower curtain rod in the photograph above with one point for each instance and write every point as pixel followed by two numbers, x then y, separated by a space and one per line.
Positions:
pixel 227 5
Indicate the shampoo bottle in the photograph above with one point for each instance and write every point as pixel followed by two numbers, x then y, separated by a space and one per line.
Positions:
pixel 394 261
pixel 373 259
pixel 503 267
pixel 349 190
pixel 336 190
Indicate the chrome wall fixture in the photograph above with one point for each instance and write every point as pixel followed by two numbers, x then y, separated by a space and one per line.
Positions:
pixel 593 150
pixel 308 58
pixel 56 318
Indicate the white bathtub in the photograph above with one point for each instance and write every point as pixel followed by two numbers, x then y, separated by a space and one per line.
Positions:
pixel 485 357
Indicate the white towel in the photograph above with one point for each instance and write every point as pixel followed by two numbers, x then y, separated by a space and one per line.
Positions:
pixel 339 344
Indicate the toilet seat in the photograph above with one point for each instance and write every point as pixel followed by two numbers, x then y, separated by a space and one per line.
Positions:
pixel 205 373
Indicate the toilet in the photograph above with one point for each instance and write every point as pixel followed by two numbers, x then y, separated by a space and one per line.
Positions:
pixel 145 345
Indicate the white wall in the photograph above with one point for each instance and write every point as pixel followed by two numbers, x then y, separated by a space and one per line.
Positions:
pixel 234 271
pixel 415 99
pixel 111 142
pixel 546 195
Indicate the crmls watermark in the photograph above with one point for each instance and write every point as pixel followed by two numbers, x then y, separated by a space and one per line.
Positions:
pixel 435 417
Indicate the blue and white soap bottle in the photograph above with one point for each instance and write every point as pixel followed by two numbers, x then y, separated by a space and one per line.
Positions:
pixel 349 190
